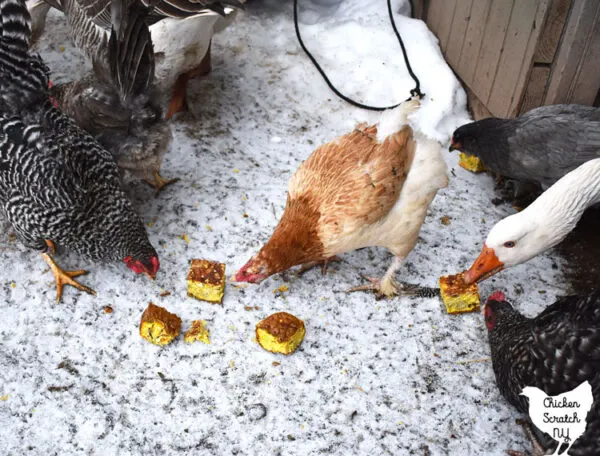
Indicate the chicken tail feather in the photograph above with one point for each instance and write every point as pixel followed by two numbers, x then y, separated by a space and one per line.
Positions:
pixel 393 120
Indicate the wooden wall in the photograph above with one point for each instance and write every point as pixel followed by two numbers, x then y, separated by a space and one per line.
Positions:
pixel 514 55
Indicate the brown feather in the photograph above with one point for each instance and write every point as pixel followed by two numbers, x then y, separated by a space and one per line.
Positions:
pixel 344 186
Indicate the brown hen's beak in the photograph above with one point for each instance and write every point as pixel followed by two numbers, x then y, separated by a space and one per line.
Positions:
pixel 486 265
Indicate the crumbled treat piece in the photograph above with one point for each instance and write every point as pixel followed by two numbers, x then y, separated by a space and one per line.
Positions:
pixel 459 297
pixel 159 326
pixel 471 163
pixel 197 333
pixel 108 309
pixel 280 333
pixel 165 293
pixel 445 220
pixel 206 280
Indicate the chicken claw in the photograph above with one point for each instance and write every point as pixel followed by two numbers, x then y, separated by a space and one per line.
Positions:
pixel 324 265
pixel 537 449
pixel 159 182
pixel 63 278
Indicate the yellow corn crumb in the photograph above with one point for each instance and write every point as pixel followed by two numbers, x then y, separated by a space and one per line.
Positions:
pixel 4 398
pixel 61 49
pixel 185 238
pixel 197 333
pixel 236 170
pixel 13 285
pixel 471 163
pixel 208 227
pixel 150 224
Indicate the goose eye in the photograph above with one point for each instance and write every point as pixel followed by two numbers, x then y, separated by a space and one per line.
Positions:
pixel 509 244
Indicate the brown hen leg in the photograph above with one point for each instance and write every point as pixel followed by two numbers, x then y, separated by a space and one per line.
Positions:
pixel 61 277
pixel 537 449
pixel 178 101
pixel 324 265
pixel 159 182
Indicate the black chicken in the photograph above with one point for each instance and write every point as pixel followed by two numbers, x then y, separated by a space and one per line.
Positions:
pixel 539 147
pixel 555 351
pixel 58 186
pixel 117 102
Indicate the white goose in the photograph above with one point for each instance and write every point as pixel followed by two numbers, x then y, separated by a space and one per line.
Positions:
pixel 543 224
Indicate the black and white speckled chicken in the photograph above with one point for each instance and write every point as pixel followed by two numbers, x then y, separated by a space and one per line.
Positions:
pixel 117 102
pixel 58 186
pixel 556 351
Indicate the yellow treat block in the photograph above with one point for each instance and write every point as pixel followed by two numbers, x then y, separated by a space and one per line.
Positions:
pixel 471 163
pixel 459 297
pixel 159 326
pixel 280 333
pixel 197 333
pixel 206 280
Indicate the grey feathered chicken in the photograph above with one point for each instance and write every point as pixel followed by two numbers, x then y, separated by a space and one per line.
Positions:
pixel 539 147
pixel 117 104
pixel 556 351
pixel 58 186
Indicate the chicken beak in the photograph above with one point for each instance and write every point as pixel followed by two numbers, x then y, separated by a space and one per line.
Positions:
pixel 454 146
pixel 486 265
pixel 152 277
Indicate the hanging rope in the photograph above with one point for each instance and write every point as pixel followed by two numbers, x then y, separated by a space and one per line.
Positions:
pixel 414 92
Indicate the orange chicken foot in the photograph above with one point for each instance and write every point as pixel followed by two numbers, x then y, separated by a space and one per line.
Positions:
pixel 159 182
pixel 61 277
pixel 324 265
pixel 537 449
pixel 178 100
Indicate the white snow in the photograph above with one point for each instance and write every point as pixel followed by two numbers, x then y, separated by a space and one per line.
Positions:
pixel 372 377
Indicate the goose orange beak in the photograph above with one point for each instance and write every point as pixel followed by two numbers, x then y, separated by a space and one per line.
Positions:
pixel 486 265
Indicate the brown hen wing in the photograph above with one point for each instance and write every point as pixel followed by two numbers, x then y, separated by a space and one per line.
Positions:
pixel 353 181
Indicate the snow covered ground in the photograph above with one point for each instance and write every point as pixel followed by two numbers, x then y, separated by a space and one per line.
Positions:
pixel 372 377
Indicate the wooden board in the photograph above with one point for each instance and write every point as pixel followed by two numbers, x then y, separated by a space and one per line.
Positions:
pixel 491 49
pixel 445 23
pixel 458 31
pixel 575 48
pixel 536 88
pixel 552 32
pixel 469 55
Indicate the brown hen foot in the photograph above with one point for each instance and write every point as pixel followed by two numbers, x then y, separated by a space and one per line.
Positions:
pixel 324 265
pixel 159 182
pixel 537 449
pixel 63 278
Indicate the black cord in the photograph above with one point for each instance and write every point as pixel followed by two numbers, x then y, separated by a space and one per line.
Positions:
pixel 414 92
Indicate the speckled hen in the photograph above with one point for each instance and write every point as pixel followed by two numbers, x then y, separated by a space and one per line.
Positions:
pixel 58 186
pixel 371 187
pixel 539 146
pixel 556 352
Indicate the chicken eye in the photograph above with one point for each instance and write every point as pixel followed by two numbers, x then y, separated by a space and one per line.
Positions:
pixel 509 244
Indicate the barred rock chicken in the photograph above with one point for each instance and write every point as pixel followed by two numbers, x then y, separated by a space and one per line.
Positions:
pixel 538 147
pixel 556 351
pixel 181 31
pixel 58 186
pixel 540 226
pixel 371 187
pixel 117 104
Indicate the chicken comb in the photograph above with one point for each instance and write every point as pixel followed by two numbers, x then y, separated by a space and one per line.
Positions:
pixel 497 296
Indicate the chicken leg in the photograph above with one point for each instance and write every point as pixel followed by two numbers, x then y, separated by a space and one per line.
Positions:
pixel 386 286
pixel 159 182
pixel 61 277
pixel 537 449
pixel 178 100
